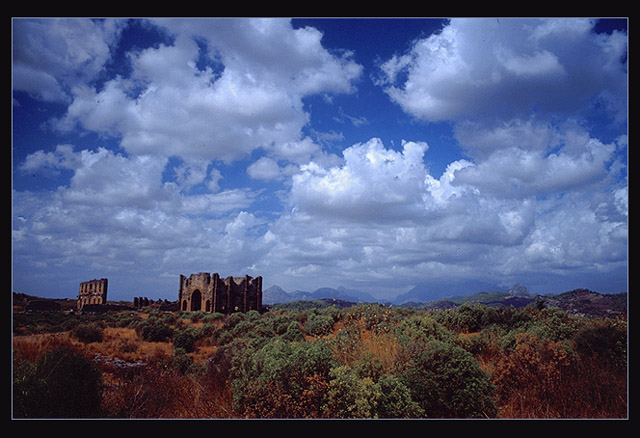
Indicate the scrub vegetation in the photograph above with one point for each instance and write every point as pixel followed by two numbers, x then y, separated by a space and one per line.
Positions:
pixel 362 361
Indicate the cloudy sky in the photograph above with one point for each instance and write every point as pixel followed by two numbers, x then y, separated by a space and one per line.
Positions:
pixel 371 154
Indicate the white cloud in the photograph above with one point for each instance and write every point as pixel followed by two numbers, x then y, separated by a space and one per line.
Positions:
pixel 117 216
pixel 254 102
pixel 270 51
pixel 52 55
pixel 374 183
pixel 516 172
pixel 193 172
pixel 382 217
pixel 265 168
pixel 483 68
pixel 105 178
pixel 62 158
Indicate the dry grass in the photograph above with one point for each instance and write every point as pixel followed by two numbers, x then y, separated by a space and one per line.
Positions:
pixel 123 343
pixel 126 344
pixel 31 347
pixel 380 346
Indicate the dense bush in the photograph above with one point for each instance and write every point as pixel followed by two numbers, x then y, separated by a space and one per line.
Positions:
pixel 282 379
pixel 604 341
pixel 60 384
pixel 447 382
pixel 155 331
pixel 185 339
pixel 319 324
pixel 88 333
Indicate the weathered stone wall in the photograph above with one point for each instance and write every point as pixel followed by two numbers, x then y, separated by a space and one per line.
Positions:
pixel 92 292
pixel 210 293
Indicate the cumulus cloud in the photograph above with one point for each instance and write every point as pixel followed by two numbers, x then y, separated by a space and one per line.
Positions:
pixel 253 99
pixel 487 68
pixel 118 214
pixel 54 55
pixel 374 183
pixel 385 219
pixel 539 191
pixel 214 90
pixel 62 158
pixel 265 168
pixel 522 172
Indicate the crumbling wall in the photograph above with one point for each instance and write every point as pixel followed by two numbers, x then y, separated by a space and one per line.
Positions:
pixel 92 292
pixel 210 293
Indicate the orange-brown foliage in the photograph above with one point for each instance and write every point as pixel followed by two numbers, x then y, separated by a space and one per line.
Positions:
pixel 541 379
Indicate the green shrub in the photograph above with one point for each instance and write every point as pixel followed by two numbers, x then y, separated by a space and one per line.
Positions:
pixel 61 384
pixel 88 333
pixel 351 396
pixel 293 332
pixel 319 325
pixel 212 317
pixel 233 319
pixel 154 331
pixel 222 336
pixel 185 340
pixel 281 379
pixel 447 382
pixel 605 341
pixel 280 323
pixel 395 400
pixel 181 360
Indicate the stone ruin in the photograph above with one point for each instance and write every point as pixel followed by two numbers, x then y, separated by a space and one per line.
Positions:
pixel 92 292
pixel 210 293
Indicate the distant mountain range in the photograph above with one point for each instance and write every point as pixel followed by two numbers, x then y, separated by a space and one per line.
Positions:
pixel 438 289
pixel 422 293
pixel 275 294
pixel 576 302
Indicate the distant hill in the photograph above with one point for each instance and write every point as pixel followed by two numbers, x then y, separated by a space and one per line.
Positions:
pixel 585 302
pixel 275 294
pixel 22 301
pixel 492 299
pixel 579 302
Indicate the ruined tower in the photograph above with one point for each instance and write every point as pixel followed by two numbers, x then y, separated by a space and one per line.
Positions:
pixel 210 293
pixel 92 292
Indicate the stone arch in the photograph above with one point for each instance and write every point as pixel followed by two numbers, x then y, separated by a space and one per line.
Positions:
pixel 196 301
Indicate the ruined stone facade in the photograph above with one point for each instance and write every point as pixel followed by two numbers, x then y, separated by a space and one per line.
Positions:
pixel 92 292
pixel 210 293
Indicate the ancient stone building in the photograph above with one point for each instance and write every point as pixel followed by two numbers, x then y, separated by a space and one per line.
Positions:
pixel 210 293
pixel 92 292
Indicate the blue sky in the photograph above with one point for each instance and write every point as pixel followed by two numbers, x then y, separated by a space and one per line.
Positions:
pixel 368 153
